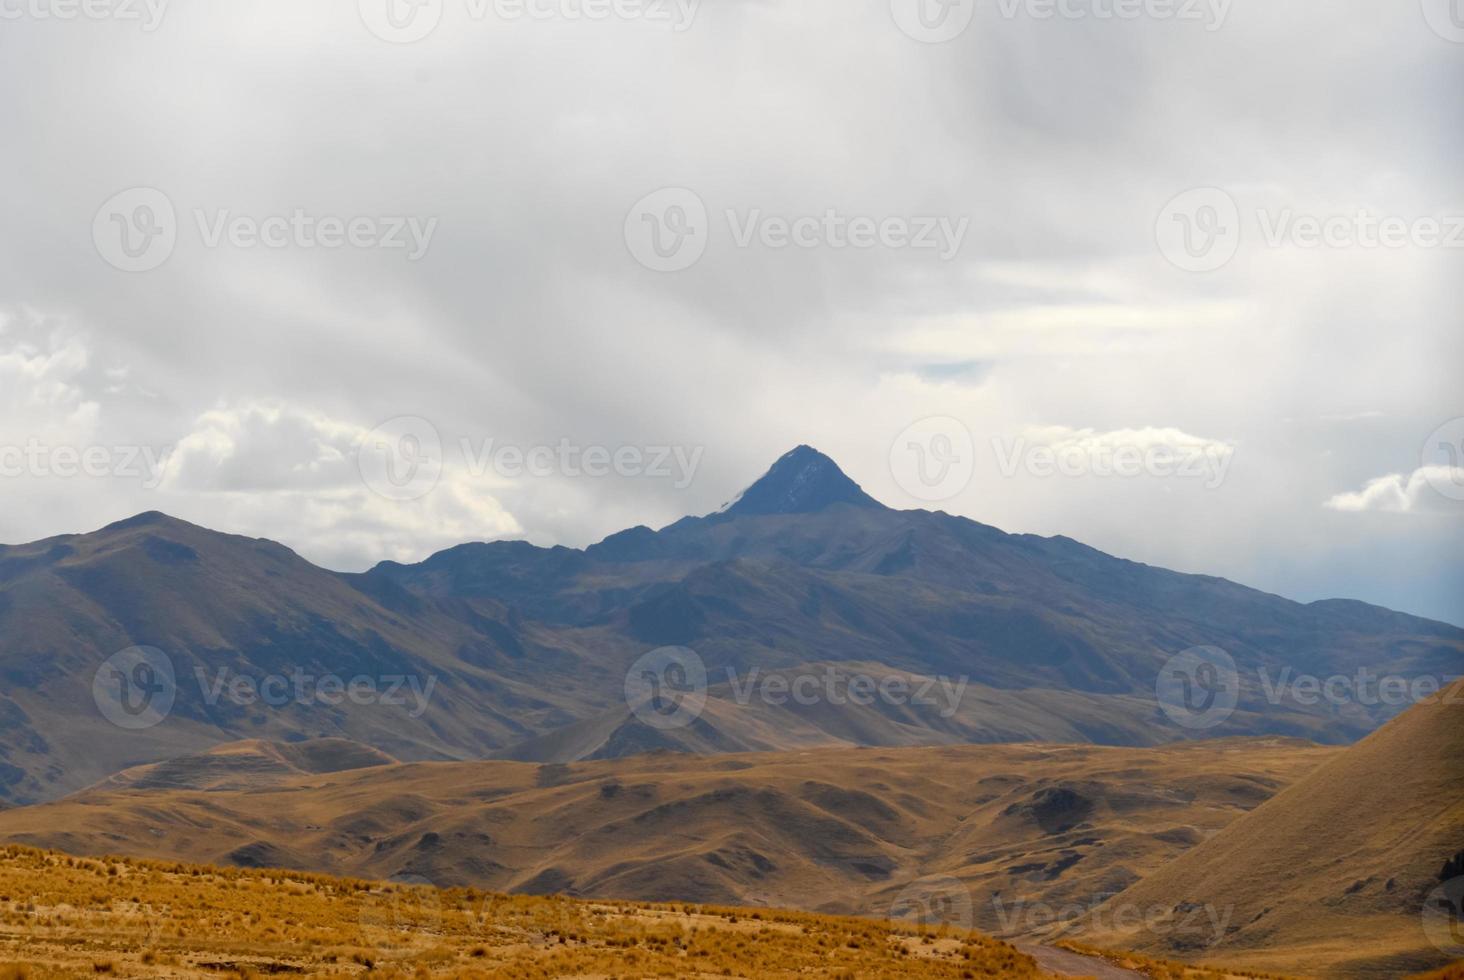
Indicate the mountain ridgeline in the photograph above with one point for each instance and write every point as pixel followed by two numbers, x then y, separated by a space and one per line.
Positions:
pixel 526 649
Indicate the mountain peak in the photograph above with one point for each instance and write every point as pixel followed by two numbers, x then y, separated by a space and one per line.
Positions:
pixel 802 481
pixel 150 518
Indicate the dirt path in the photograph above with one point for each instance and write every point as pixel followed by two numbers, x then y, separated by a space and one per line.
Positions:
pixel 1066 964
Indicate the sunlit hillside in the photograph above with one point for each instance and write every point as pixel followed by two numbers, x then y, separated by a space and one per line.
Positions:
pixel 64 916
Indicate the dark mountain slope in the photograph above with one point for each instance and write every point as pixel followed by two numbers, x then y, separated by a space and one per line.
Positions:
pixel 527 648
pixel 220 607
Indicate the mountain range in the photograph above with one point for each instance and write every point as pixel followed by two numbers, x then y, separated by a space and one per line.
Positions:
pixel 514 651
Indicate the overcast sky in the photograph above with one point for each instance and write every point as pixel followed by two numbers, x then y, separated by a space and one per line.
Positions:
pixel 1218 243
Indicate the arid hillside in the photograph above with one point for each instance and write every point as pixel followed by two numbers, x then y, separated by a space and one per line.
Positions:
pixel 1355 870
pixel 1001 837
pixel 66 917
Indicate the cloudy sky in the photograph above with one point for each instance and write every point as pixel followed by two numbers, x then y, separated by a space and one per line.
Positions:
pixel 1179 279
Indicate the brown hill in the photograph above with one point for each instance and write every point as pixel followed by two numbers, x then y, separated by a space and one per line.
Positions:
pixel 842 831
pixel 1343 872
pixel 241 765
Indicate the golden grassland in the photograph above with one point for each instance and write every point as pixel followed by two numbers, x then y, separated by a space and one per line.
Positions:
pixel 66 916
pixel 69 916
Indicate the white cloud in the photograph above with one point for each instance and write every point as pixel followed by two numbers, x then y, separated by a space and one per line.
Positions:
pixel 1403 494
pixel 265 446
pixel 291 472
pixel 1145 439
pixel 42 393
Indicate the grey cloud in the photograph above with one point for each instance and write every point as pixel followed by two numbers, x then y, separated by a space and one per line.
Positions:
pixel 528 320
